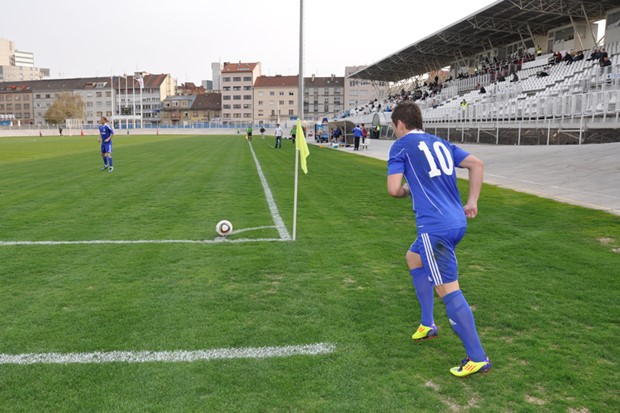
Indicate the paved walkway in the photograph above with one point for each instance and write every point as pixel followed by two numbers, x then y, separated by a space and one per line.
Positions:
pixel 586 175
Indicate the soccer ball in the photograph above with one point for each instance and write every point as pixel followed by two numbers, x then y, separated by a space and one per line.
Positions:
pixel 223 228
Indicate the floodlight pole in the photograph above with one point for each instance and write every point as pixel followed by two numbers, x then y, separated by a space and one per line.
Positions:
pixel 300 108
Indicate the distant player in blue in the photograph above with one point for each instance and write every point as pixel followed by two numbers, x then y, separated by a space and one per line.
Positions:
pixel 427 163
pixel 105 137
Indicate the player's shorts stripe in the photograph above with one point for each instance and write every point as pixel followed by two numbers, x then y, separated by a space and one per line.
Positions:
pixel 430 257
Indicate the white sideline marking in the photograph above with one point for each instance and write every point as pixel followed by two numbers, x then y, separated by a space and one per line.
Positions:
pixel 153 241
pixel 167 356
pixel 218 240
pixel 272 203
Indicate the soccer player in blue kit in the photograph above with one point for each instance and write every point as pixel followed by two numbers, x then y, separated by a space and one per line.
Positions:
pixel 105 137
pixel 428 164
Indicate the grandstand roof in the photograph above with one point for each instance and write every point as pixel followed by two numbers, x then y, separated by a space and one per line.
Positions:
pixel 500 23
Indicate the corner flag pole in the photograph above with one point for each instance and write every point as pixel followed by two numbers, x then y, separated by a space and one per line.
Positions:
pixel 300 107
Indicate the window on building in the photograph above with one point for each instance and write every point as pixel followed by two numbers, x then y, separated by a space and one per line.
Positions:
pixel 236 106
pixel 291 102
pixel 99 94
pixel 247 97
pixel 236 97
pixel 281 93
pixel 236 87
pixel 247 115
pixel 272 93
pixel 225 106
pixel 247 78
pixel 260 103
pixel 290 112
pixel 280 102
pixel 226 88
pixel 291 93
pixel 247 88
pixel 226 79
pixel 236 78
pixel 247 106
pixel 226 97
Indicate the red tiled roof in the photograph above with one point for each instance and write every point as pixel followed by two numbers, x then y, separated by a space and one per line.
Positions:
pixel 276 81
pixel 238 67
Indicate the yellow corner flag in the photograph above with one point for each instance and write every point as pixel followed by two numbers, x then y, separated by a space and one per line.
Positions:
pixel 302 145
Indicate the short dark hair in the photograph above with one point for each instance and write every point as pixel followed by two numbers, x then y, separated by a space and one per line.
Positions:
pixel 409 113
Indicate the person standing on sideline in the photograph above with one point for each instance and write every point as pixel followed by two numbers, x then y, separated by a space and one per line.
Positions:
pixel 427 164
pixel 248 132
pixel 105 137
pixel 279 132
pixel 357 135
pixel 293 133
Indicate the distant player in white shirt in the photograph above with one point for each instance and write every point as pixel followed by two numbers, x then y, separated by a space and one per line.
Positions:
pixel 105 137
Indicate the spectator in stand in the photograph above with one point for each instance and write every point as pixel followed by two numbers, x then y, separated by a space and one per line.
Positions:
pixel 579 56
pixel 605 62
pixel 568 57
pixel 538 50
pixel 542 73
pixel 481 89
pixel 515 78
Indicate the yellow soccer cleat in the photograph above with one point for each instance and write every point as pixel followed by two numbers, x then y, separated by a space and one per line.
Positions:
pixel 469 367
pixel 424 333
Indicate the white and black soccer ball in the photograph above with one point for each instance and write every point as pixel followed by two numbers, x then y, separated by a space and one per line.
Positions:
pixel 223 228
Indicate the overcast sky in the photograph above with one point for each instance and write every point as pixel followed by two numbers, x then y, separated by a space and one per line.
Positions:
pixel 80 38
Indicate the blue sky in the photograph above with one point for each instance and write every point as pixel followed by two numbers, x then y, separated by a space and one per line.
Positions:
pixel 77 38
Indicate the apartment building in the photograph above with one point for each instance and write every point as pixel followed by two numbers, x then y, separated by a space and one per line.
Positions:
pixel 26 102
pixel 323 97
pixel 276 99
pixel 237 92
pixel 359 92
pixel 190 110
pixel 17 65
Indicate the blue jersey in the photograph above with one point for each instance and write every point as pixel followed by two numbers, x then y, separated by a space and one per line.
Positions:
pixel 428 165
pixel 106 132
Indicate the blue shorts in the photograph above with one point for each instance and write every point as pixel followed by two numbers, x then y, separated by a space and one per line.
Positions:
pixel 106 147
pixel 437 253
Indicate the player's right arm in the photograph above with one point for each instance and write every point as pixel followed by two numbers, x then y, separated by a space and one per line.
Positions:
pixel 396 187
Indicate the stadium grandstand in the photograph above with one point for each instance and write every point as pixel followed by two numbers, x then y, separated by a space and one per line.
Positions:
pixel 515 72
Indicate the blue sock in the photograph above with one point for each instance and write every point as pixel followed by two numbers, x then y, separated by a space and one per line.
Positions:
pixel 462 321
pixel 110 161
pixel 105 161
pixel 425 292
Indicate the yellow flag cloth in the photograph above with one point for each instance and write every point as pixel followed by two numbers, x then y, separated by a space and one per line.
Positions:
pixel 302 145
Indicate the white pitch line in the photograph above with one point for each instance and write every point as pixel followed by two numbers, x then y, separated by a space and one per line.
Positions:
pixel 218 240
pixel 277 219
pixel 168 356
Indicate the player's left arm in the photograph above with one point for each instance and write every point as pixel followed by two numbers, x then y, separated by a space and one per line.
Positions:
pixel 111 134
pixel 475 168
